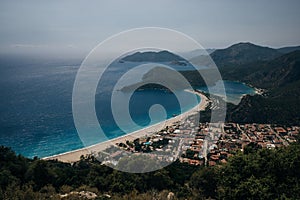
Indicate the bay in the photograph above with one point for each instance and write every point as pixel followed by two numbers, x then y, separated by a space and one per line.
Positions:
pixel 36 108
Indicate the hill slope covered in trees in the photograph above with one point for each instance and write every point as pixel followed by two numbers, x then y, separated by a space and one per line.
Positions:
pixel 254 174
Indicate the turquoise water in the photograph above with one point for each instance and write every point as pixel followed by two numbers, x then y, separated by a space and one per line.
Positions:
pixel 36 108
pixel 234 91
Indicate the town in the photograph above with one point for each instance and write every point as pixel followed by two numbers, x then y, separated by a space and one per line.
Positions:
pixel 206 144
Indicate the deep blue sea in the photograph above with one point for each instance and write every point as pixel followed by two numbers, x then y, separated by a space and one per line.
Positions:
pixel 36 108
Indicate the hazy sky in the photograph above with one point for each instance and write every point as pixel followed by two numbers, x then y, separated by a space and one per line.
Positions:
pixel 73 27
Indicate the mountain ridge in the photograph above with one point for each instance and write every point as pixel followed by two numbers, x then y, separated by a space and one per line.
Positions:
pixel 288 49
pixel 243 53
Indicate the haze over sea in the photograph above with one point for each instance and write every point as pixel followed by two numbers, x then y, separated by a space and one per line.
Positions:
pixel 36 108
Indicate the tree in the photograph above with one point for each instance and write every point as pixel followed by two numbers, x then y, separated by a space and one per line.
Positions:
pixel 205 181
pixel 39 174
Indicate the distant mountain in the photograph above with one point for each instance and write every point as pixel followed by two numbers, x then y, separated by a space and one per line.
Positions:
pixel 151 56
pixel 197 52
pixel 288 49
pixel 266 74
pixel 278 72
pixel 243 53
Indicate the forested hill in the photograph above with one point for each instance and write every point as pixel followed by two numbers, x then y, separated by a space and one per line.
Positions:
pixel 280 78
pixel 254 174
pixel 288 49
pixel 243 53
pixel 151 56
pixel 271 74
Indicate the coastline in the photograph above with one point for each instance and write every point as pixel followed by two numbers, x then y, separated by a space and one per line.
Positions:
pixel 73 156
pixel 236 98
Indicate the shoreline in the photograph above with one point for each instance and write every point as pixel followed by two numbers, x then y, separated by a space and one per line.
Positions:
pixel 74 155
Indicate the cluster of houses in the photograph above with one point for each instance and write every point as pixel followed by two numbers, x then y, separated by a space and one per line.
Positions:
pixel 235 137
pixel 206 143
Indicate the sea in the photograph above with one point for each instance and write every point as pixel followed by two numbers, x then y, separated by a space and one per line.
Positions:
pixel 36 107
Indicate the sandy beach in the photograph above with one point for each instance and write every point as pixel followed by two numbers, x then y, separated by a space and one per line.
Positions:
pixel 73 156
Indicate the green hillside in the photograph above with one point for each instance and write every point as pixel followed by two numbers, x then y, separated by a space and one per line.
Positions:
pixel 267 74
pixel 281 79
pixel 254 174
pixel 243 53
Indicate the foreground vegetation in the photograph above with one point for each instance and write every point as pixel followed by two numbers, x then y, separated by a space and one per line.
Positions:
pixel 254 174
